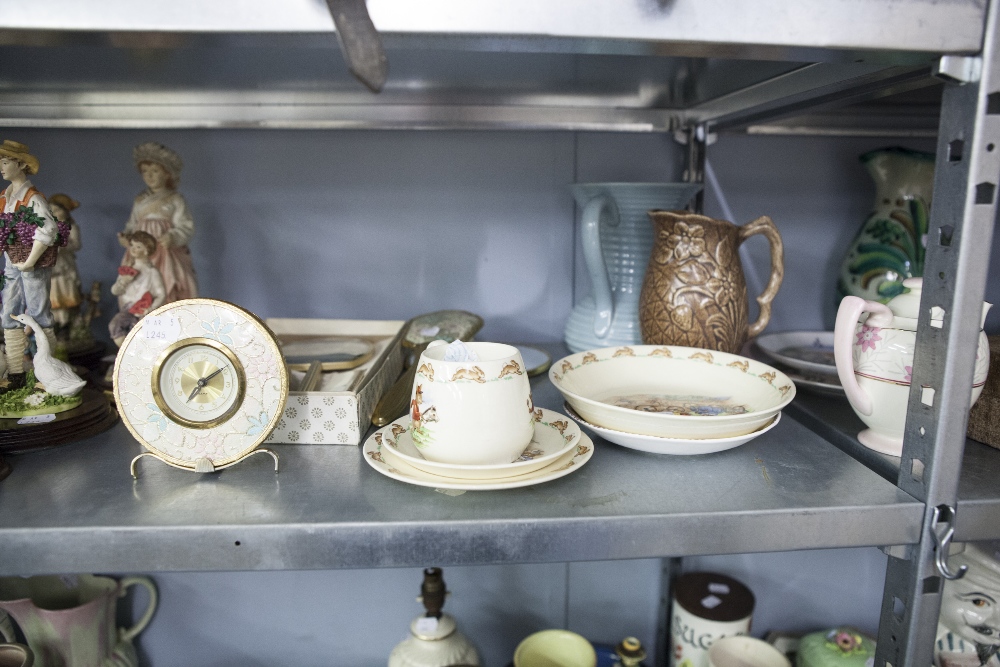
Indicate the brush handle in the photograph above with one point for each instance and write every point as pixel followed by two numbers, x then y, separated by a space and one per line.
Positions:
pixel 393 404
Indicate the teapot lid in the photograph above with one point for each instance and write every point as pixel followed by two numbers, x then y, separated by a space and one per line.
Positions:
pixel 907 304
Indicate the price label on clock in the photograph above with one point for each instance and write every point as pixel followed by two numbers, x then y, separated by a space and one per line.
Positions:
pixel 161 329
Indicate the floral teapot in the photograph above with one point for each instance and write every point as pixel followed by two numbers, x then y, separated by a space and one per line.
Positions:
pixel 875 362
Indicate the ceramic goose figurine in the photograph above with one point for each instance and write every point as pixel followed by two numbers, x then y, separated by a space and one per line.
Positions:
pixel 57 376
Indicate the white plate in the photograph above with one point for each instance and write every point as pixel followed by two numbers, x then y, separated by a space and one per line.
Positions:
pixel 671 391
pixel 554 436
pixel 674 446
pixel 804 350
pixel 391 466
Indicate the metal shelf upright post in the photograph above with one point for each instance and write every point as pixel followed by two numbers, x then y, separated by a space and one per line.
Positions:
pixel 958 246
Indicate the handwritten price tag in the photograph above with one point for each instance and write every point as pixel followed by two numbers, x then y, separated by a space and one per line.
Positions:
pixel 36 419
pixel 162 329
pixel 426 626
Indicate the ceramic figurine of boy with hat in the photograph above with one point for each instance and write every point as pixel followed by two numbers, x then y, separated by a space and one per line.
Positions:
pixel 162 212
pixel 26 278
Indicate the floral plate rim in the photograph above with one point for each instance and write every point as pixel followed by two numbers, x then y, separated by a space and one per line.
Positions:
pixel 779 381
pixel 768 344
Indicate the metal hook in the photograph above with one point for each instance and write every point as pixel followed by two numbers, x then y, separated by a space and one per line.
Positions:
pixel 946 515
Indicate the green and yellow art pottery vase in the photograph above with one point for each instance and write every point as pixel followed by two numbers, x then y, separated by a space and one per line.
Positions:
pixel 890 246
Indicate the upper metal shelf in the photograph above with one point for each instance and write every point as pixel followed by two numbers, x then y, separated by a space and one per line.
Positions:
pixel 640 65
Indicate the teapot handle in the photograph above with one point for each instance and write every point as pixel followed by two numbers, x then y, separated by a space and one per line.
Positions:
pixel 764 225
pixel 590 234
pixel 851 308
pixel 147 616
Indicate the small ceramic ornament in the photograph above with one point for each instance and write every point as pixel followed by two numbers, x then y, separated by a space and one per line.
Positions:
pixel 839 647
pixel 162 212
pixel 139 286
pixel 29 237
pixel 969 624
pixel 875 362
pixel 434 639
pixel 65 291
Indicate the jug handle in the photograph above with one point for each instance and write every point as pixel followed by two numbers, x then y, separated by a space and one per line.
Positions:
pixel 6 627
pixel 147 616
pixel 850 310
pixel 590 234
pixel 764 225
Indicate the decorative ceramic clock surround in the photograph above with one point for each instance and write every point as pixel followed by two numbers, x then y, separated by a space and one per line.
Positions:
pixel 200 383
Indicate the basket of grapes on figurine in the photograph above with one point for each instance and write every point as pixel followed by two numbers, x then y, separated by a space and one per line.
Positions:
pixel 17 233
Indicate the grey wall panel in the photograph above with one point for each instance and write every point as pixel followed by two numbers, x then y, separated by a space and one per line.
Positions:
pixel 347 224
pixel 611 600
pixel 342 617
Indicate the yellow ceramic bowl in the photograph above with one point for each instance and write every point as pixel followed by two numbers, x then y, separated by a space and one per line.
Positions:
pixel 672 392
pixel 555 648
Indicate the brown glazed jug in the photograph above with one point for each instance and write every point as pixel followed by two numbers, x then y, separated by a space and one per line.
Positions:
pixel 694 293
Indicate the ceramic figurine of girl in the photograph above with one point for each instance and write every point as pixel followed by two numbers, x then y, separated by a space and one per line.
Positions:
pixel 64 291
pixel 139 287
pixel 30 256
pixel 162 212
pixel 969 624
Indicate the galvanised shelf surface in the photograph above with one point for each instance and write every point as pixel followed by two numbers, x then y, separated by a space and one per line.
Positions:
pixel 580 65
pixel 76 509
pixel 978 512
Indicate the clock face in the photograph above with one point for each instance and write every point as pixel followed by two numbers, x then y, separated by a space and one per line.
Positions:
pixel 198 382
pixel 200 379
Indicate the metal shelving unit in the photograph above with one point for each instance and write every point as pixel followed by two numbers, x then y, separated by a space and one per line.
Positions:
pixel 780 66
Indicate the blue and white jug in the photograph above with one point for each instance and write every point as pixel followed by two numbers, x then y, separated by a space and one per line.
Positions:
pixel 617 241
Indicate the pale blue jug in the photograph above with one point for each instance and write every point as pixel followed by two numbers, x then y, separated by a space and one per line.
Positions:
pixel 617 240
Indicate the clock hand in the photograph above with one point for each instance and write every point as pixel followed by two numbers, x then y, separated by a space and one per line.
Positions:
pixel 202 382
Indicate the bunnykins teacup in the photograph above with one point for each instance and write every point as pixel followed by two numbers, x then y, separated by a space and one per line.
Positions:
pixel 477 411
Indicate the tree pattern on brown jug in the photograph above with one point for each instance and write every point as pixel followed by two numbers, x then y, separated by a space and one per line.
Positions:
pixel 694 293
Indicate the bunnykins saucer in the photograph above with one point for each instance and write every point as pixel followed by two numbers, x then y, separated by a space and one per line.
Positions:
pixel 675 446
pixel 384 461
pixel 554 436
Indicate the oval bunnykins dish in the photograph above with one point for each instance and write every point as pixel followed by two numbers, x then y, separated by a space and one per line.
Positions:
pixel 672 392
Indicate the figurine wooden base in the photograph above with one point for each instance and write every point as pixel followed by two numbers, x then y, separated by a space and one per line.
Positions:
pixel 202 465
pixel 93 415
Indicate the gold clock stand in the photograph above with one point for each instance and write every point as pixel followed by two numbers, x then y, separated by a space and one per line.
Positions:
pixel 203 464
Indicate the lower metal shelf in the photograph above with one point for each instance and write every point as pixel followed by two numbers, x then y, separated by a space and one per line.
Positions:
pixel 76 509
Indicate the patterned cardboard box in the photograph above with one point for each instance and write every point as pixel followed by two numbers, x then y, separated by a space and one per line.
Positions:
pixel 340 417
